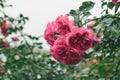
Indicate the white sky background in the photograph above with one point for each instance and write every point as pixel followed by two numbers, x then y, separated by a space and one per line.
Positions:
pixel 40 12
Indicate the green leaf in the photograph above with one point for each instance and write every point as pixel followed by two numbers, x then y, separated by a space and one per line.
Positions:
pixel 2 5
pixel 26 18
pixel 110 5
pixel 102 70
pixel 103 4
pixel 106 11
pixel 76 20
pixel 21 15
pixel 38 43
pixel 86 14
pixel 11 19
pixel 73 12
pixel 86 6
pixel 21 28
pixel 19 21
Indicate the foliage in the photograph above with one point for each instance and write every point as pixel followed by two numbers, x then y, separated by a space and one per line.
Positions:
pixel 23 58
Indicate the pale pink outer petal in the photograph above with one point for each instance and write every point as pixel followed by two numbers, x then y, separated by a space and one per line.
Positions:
pixel 64 24
pixel 62 20
pixel 0 31
pixel 49 32
pixel 90 24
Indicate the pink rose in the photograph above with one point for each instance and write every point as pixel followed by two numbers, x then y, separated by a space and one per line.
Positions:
pixel 114 1
pixel 64 24
pixel 4 27
pixel 50 33
pixel 64 53
pixel 75 29
pixel 81 39
pixel 62 20
pixel 15 39
pixel 61 26
pixel 73 56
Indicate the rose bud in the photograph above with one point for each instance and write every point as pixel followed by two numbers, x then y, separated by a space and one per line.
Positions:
pixel 114 1
pixel 90 24
pixel 15 39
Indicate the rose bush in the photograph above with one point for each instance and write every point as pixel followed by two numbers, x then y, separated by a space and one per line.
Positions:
pixel 93 43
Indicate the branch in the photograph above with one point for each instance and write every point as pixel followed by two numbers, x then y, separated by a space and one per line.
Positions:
pixel 102 17
pixel 116 70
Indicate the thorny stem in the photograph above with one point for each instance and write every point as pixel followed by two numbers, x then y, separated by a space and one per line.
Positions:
pixel 102 17
pixel 33 56
pixel 116 70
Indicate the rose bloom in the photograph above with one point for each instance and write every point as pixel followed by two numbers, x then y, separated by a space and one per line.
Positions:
pixel 64 24
pixel 114 1
pixel 65 54
pixel 61 26
pixel 81 39
pixel 4 27
pixel 50 33
pixel 15 39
